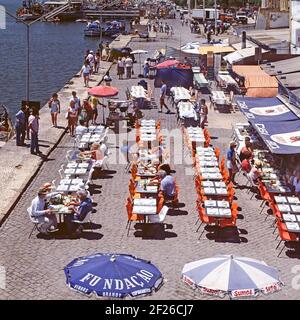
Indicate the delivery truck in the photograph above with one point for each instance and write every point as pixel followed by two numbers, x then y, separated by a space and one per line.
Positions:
pixel 207 14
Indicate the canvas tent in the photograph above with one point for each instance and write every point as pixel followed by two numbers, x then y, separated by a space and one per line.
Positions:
pixel 174 77
pixel 265 109
pixel 281 137
pixel 257 82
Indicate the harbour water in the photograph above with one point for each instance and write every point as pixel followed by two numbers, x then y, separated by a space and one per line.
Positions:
pixel 56 54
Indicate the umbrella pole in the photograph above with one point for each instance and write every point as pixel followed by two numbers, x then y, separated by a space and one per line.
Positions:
pixel 140 64
pixel 103 117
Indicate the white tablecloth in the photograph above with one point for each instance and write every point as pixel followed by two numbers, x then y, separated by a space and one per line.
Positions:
pixel 138 92
pixel 186 110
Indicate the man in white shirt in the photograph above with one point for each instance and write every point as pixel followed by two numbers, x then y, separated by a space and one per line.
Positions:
pixel 128 66
pixel 44 216
pixel 81 129
pixel 296 183
pixel 91 60
pixel 76 100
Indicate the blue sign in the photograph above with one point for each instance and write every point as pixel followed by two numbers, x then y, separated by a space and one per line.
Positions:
pixel 265 109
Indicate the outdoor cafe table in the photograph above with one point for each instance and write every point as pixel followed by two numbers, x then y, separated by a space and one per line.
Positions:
pixel 277 187
pixel 60 209
pixel 76 155
pixel 216 204
pixel 90 138
pixel 293 208
pixel 96 129
pixel 218 97
pixel 216 192
pixel 209 169
pixel 211 176
pixel 140 188
pixel 138 92
pixel 76 165
pixel 180 93
pixel 208 163
pixel 145 202
pixel 287 200
pixel 293 226
pixel 76 172
pixel 202 151
pixel 218 212
pixel 69 188
pixel 148 130
pixel 146 173
pixel 214 184
pixel 186 110
pixel 145 122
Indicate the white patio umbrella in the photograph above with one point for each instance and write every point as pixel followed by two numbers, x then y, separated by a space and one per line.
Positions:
pixel 139 52
pixel 232 275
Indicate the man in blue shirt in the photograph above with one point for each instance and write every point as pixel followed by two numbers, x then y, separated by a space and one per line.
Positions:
pixel 167 185
pixel 20 127
pixel 80 212
pixel 163 93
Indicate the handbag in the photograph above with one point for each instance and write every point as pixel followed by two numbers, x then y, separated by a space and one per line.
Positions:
pixel 67 115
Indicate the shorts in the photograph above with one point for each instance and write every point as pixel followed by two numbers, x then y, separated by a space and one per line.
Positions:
pixel 95 112
pixel 86 75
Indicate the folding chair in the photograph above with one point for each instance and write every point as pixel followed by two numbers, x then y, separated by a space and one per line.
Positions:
pixel 34 221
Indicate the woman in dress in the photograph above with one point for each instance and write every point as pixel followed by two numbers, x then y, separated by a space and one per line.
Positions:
pixel 72 116
pixel 54 106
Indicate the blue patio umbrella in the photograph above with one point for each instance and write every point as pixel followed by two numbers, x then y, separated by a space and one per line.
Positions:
pixel 113 275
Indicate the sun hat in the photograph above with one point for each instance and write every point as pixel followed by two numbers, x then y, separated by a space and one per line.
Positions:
pixel 257 163
pixel 47 186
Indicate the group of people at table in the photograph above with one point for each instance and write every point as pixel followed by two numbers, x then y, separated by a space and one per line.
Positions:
pixel 70 199
pixel 277 184
pixel 191 109
pixel 151 184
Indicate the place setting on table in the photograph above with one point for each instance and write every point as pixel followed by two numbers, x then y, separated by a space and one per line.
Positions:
pixel 146 186
pixel 202 151
pixel 96 129
pixel 62 204
pixel 211 176
pixel 90 138
pixel 276 186
pixel 217 209
pixel 146 170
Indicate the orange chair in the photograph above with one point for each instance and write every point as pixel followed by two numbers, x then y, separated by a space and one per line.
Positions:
pixel 131 216
pixel 285 236
pixel 204 218
pixel 160 204
pixel 218 152
pixel 264 194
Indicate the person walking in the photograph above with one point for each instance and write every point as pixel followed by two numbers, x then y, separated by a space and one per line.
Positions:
pixel 94 104
pixel 163 93
pixel 72 116
pixel 146 68
pixel 20 126
pixel 120 67
pixel 54 106
pixel 128 66
pixel 203 113
pixel 85 71
pixel 231 162
pixel 33 124
pixel 100 49
pixel 97 61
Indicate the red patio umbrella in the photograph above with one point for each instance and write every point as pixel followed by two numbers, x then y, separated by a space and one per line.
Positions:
pixel 103 92
pixel 167 64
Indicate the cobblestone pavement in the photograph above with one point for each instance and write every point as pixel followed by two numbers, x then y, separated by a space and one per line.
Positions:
pixel 35 266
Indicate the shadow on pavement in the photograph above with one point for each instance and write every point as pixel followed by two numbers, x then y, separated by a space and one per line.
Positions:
pixel 154 231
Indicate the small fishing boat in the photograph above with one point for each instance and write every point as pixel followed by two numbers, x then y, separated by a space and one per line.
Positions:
pixel 93 29
pixel 6 126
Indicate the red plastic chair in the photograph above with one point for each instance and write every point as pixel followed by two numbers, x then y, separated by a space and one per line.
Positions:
pixel 285 236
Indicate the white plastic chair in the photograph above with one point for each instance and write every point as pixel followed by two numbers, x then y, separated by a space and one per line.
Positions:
pixel 105 163
pixel 160 217
pixel 68 155
pixel 87 219
pixel 34 220
pixel 61 172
